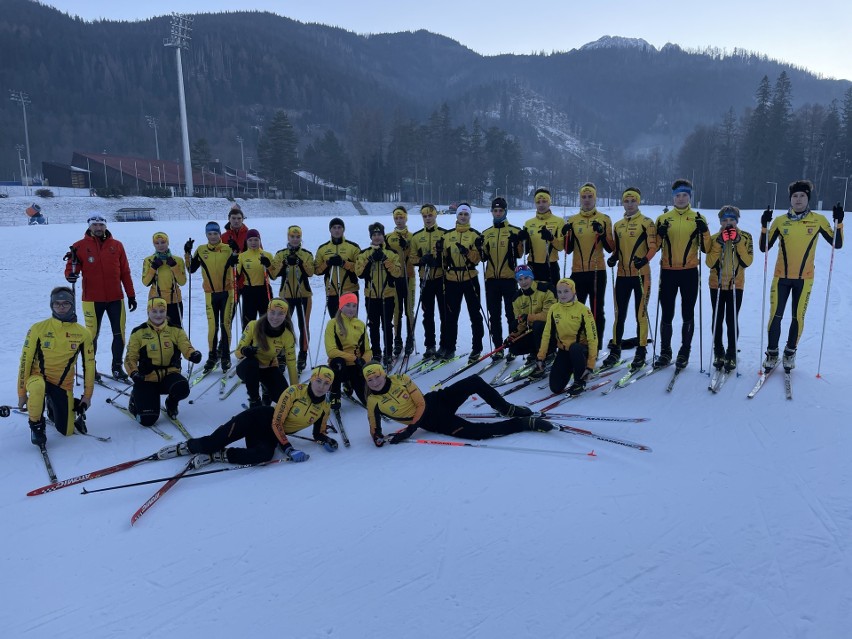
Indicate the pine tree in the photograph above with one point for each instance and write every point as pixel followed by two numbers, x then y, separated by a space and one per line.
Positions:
pixel 756 157
pixel 277 153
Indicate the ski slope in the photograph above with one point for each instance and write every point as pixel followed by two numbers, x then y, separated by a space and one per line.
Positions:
pixel 738 524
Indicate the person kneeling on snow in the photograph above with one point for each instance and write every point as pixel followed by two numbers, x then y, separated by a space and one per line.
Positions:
pixel 153 364
pixel 264 428
pixel 397 397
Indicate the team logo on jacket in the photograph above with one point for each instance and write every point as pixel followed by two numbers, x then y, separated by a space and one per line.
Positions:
pixel 295 410
pixel 810 230
pixel 91 259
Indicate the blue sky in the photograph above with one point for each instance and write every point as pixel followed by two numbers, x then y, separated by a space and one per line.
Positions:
pixel 811 35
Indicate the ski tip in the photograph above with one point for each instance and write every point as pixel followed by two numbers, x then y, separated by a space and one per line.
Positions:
pixel 591 453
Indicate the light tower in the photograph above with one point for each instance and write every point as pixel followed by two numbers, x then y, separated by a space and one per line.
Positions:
pixel 24 99
pixel 179 39
pixel 153 122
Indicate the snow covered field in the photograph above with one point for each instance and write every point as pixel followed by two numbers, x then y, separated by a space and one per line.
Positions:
pixel 738 524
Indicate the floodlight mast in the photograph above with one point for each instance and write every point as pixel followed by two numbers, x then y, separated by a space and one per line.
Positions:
pixel 179 39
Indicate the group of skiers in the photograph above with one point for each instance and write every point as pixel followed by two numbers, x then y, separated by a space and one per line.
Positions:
pixel 557 320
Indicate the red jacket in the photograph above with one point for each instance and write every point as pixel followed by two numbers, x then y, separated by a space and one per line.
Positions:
pixel 103 264
pixel 238 236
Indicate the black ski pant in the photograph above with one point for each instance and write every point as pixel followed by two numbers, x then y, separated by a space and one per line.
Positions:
pixel 500 292
pixel 351 373
pixel 591 286
pixel 432 295
pixel 548 273
pixel 725 313
pixel 146 396
pixel 529 343
pixel 93 314
pixel 441 406
pixel 175 314
pixel 380 324
pixel 272 378
pixel 60 406
pixel 567 364
pixel 454 292
pixel 255 302
pixel 673 282
pixel 782 289
pixel 254 425
pixel 300 308
pixel 639 288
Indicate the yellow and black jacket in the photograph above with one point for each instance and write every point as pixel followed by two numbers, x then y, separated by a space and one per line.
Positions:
pixel 216 275
pixel 586 246
pixel 404 254
pixel 338 279
pixel 165 281
pixel 540 251
pixel 275 344
pixel 424 242
pixel 634 236
pixel 296 410
pixel 294 277
pixel 729 262
pixel 459 267
pixel 379 277
pixel 534 302
pixel 400 400
pixel 682 243
pixel 250 267
pixel 349 348
pixel 797 243
pixel 159 347
pixel 50 351
pixel 570 323
pixel 501 249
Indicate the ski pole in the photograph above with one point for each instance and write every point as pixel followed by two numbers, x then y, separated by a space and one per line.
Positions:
pixel 700 309
pixel 481 359
pixel 764 238
pixel 198 474
pixel 436 442
pixel 189 311
pixel 827 291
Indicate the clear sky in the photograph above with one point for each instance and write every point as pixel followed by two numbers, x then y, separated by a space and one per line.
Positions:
pixel 808 34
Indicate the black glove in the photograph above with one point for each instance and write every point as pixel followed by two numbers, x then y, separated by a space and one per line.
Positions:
pixel 462 248
pixel 478 242
pixel 156 263
pixel 131 303
pixel 170 262
pixel 701 225
pixel 597 227
pixel 137 377
pixel 81 406
pixel 233 260
pixel 402 435
pixel 403 243
pixel 524 235
pixel 329 443
pixel 378 256
pixel 439 246
pixel 766 218
pixel 195 357
pixel 334 260
pixel 612 260
pixel 522 319
pixel 545 233
pixel 428 260
pixel 293 259
pixel 232 244
pixel 187 248
pixel 568 228
pixel 145 367
pixel 663 230
pixel 378 440
pixel 72 277
pixel 360 362
pixel 639 262
pixel 837 213
pixel 265 261
pixel 249 351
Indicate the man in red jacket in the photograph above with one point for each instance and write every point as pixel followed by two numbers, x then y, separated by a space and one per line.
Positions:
pixel 102 262
pixel 235 231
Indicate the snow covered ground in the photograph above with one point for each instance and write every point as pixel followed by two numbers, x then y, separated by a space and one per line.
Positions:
pixel 738 524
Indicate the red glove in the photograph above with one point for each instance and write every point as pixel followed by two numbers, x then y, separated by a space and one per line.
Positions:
pixel 730 235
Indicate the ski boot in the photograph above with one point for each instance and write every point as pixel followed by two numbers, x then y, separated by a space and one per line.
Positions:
pixel 638 358
pixel 175 450
pixel 540 425
pixel 37 434
pixel 771 360
pixel 200 461
pixel 789 361
pixel 577 388
pixel 682 358
pixel 171 408
pixel 611 359
pixel 119 375
pixel 663 359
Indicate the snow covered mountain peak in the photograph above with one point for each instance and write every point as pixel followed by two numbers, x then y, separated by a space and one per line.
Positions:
pixel 616 42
